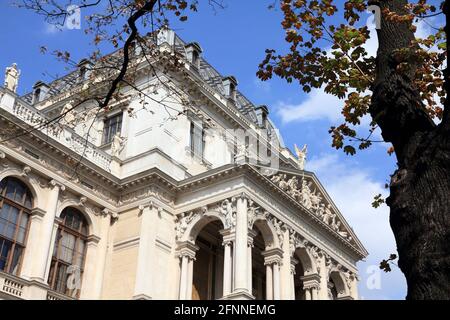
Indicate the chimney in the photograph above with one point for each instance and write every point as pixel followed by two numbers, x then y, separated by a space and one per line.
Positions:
pixel 230 83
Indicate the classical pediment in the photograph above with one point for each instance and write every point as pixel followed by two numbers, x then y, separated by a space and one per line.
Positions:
pixel 306 190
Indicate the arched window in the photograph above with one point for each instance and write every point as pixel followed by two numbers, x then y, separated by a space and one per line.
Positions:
pixel 67 265
pixel 16 202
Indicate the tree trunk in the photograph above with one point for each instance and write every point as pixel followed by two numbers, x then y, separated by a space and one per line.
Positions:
pixel 419 198
pixel 420 219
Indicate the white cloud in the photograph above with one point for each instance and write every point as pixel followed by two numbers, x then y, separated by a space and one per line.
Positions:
pixel 318 105
pixel 352 188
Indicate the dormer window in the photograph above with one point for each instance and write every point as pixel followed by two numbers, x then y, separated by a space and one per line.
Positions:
pixel 83 71
pixel 84 67
pixel 40 90
pixel 230 85
pixel 36 95
pixel 193 53
pixel 262 113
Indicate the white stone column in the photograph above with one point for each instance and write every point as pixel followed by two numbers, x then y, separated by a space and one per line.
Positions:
pixel 43 257
pixel 307 294
pixel 276 281
pixel 269 282
pixel 33 239
pixel 285 268
pixel 227 267
pixel 311 285
pixel 183 277
pixel 146 270
pixel 102 252
pixel 241 272
pixel 314 293
pixel 292 265
pixel 251 235
pixel 273 258
pixel 323 272
pixel 52 245
pixel 228 237
pixel 186 252
pixel 190 279
pixel 90 267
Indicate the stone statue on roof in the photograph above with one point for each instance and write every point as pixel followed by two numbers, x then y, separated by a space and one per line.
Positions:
pixel 301 156
pixel 12 78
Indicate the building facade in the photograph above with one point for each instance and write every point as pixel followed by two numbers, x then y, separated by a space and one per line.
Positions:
pixel 151 199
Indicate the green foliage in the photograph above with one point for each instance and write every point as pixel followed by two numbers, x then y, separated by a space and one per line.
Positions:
pixel 378 201
pixel 347 70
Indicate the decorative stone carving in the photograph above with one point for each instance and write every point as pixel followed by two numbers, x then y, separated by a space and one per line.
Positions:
pixel 312 200
pixel 12 75
pixel 301 156
pixel 117 145
pixel 349 278
pixel 183 223
pixel 296 241
pixel 278 226
pixel 255 213
pixel 25 171
pixel 227 209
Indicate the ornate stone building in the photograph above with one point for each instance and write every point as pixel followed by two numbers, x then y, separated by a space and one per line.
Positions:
pixel 158 202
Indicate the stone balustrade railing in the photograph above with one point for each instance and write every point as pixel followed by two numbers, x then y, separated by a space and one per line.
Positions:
pixel 64 135
pixel 12 287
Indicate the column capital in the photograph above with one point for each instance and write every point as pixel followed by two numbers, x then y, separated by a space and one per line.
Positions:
pixel 187 249
pixel 311 281
pixel 273 256
pixel 228 235
pixel 93 240
pixel 38 213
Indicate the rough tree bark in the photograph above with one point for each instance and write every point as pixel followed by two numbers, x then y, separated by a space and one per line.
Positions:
pixel 419 198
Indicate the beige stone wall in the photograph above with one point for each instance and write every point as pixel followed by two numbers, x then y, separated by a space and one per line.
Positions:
pixel 121 261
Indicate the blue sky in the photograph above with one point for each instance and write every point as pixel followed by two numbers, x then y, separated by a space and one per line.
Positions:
pixel 233 41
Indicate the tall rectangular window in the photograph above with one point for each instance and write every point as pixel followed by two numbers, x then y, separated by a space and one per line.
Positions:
pixel 197 144
pixel 112 126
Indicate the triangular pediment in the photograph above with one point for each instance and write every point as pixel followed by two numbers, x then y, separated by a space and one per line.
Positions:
pixel 307 191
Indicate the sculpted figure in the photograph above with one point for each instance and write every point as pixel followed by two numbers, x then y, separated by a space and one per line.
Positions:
pixel 117 145
pixel 306 194
pixel 12 78
pixel 276 179
pixel 283 184
pixel 301 156
pixel 328 214
pixel 315 199
pixel 183 224
pixel 320 211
